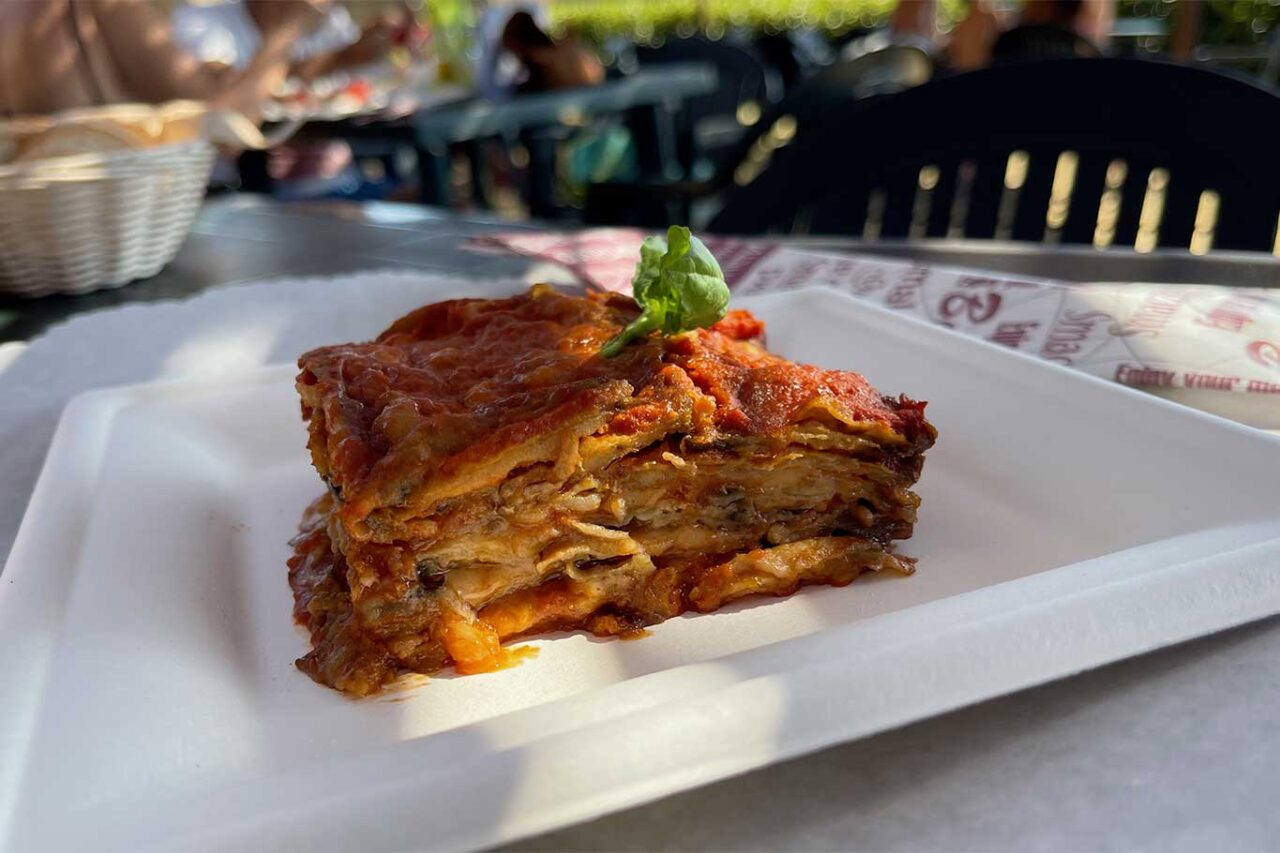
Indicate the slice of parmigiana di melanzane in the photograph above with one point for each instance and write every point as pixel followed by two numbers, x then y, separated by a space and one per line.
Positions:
pixel 491 476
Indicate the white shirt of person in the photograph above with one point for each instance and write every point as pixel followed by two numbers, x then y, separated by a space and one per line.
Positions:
pixel 223 32
pixel 497 71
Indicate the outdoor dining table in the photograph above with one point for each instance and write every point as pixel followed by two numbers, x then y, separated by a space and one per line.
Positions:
pixel 648 102
pixel 1174 750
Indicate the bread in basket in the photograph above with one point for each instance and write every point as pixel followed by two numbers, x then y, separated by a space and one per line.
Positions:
pixel 96 198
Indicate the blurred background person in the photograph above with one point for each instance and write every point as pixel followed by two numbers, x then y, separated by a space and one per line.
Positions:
pixel 517 54
pixel 973 37
pixel 393 27
pixel 914 23
pixel 1057 29
pixel 1042 29
pixel 58 54
pixel 227 33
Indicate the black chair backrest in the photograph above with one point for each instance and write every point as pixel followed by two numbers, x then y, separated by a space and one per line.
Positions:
pixel 802 113
pixel 742 75
pixel 1042 41
pixel 825 97
pixel 883 71
pixel 1102 151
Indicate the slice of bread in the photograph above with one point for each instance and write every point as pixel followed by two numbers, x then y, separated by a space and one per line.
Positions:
pixel 94 137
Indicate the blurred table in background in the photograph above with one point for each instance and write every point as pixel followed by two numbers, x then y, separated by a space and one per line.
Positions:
pixel 1070 765
pixel 648 103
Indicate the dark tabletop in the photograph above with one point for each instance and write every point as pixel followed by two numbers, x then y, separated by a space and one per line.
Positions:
pixel 477 119
pixel 241 238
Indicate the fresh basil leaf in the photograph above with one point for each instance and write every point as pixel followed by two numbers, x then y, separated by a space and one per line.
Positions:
pixel 678 285
pixel 649 267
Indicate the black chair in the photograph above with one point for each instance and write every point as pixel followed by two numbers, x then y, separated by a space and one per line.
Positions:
pixel 743 79
pixel 1041 41
pixel 743 74
pixel 803 113
pixel 1095 151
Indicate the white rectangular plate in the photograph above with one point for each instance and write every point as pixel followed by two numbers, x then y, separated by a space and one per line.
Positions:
pixel 149 697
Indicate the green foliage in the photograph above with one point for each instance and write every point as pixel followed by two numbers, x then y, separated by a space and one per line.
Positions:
pixel 645 20
pixel 1240 21
pixel 678 286
pixel 1226 21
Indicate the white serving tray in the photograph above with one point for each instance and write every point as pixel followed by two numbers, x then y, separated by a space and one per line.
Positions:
pixel 149 699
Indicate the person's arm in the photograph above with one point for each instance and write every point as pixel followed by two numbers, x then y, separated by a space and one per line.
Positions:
pixel 264 73
pixel 376 40
pixel 1097 19
pixel 914 19
pixel 972 39
pixel 154 68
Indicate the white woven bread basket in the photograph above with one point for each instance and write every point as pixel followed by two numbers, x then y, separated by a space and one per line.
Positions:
pixel 77 223
pixel 100 220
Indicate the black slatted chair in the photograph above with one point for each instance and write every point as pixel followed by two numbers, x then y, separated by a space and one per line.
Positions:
pixel 1096 151
pixel 743 78
pixel 802 113
pixel 743 75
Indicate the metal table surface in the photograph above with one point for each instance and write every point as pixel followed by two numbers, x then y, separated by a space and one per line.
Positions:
pixel 649 101
pixel 473 119
pixel 1176 750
